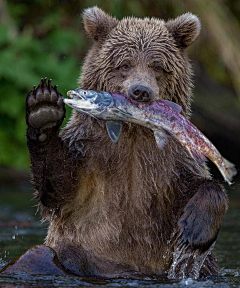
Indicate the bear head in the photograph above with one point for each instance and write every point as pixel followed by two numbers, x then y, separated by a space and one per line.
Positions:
pixel 143 58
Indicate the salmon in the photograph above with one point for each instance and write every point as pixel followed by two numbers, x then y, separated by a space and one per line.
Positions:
pixel 163 117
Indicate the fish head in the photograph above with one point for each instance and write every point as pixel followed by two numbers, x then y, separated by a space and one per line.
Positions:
pixel 101 98
pixel 89 101
pixel 100 105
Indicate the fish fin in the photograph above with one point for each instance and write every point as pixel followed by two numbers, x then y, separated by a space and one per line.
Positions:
pixel 228 171
pixel 114 130
pixel 198 156
pixel 173 105
pixel 161 138
pixel 168 132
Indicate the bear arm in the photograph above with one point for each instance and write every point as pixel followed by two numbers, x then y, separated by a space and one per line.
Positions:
pixel 202 217
pixel 54 170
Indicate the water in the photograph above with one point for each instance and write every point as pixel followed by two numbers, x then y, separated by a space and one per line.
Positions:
pixel 178 269
pixel 21 229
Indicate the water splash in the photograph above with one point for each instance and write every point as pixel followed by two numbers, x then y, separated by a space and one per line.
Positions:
pixel 52 215
pixel 199 260
pixel 182 260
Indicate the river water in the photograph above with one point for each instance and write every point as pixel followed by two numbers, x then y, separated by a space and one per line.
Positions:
pixel 21 229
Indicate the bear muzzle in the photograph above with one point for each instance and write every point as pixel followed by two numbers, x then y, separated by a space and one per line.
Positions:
pixel 141 93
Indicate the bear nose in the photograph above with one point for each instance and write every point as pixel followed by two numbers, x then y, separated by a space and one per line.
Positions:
pixel 140 93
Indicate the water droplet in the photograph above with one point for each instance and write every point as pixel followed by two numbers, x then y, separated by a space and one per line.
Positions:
pixel 181 259
pixel 52 216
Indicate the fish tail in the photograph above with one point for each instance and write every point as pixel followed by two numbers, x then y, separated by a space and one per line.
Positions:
pixel 228 170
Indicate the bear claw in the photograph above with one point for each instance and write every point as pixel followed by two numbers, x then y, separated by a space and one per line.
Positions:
pixel 45 107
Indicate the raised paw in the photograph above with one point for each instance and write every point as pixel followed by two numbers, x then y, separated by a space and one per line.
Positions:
pixel 44 106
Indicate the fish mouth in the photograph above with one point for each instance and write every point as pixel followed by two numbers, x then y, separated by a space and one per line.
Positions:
pixel 73 94
pixel 78 102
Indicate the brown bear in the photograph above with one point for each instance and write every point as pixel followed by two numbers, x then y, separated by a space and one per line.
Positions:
pixel 120 209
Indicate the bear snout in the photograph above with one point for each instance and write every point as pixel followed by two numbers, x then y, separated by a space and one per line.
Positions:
pixel 141 93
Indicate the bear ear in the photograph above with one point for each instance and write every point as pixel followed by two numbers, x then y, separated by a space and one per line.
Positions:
pixel 184 29
pixel 97 23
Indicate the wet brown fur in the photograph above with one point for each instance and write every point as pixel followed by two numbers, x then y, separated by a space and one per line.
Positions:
pixel 113 208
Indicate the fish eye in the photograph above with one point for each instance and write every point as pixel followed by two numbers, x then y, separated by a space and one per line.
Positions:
pixel 85 93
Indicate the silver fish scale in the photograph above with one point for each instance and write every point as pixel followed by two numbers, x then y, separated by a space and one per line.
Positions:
pixel 106 99
pixel 102 98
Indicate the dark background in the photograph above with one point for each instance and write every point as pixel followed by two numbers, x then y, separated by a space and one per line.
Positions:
pixel 47 38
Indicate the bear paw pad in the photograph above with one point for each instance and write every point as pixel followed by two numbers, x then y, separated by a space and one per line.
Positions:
pixel 45 106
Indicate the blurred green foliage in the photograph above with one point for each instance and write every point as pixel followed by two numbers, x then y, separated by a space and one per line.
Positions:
pixel 26 56
pixel 46 39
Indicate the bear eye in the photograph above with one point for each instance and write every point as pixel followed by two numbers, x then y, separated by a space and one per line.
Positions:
pixel 157 67
pixel 125 66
